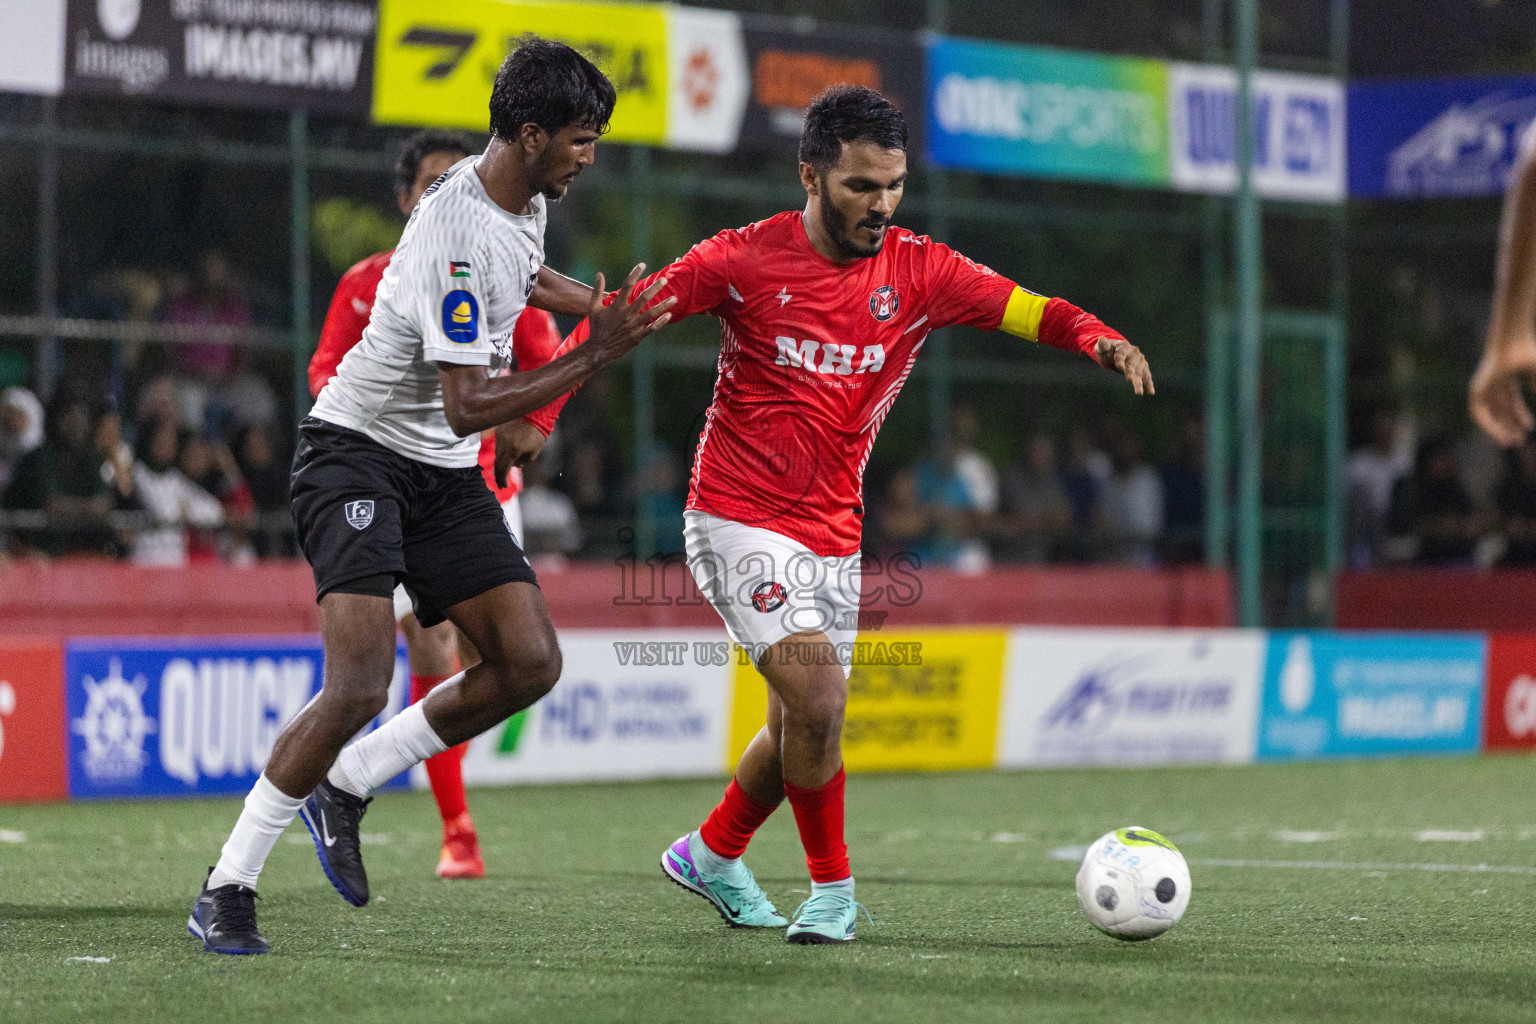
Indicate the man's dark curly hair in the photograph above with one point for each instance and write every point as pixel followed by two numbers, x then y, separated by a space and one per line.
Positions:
pixel 420 146
pixel 849 113
pixel 551 85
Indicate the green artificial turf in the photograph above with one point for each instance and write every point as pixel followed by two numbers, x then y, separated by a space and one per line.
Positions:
pixel 974 917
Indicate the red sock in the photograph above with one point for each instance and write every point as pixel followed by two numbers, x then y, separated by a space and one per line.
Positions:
pixel 444 771
pixel 731 825
pixel 819 814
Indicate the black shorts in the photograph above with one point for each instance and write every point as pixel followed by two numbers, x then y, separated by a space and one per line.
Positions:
pixel 363 510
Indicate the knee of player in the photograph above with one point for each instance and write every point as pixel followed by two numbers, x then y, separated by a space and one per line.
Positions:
pixel 532 665
pixel 358 700
pixel 820 710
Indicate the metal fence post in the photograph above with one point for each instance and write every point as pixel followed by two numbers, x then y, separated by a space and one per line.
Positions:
pixel 645 357
pixel 1249 265
pixel 46 359
pixel 940 358
pixel 1218 364
pixel 298 257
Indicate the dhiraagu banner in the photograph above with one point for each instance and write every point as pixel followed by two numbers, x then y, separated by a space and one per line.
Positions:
pixel 436 62
pixel 1052 113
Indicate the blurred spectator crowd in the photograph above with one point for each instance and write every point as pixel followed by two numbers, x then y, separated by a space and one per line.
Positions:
pixel 168 454
pixel 1078 497
pixel 1439 500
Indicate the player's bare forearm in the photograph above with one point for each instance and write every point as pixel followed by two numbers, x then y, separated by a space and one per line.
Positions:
pixel 474 402
pixel 1494 397
pixel 560 294
pixel 1514 293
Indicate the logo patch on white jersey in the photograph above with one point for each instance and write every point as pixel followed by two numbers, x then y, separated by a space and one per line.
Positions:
pixel 360 514
pixel 461 317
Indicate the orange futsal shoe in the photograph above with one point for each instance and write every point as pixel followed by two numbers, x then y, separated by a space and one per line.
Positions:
pixel 461 850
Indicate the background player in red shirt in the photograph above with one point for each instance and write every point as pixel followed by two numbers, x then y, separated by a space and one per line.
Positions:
pixel 823 313
pixel 434 652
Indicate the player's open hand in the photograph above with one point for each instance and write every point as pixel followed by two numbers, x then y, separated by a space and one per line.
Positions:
pixel 623 324
pixel 517 444
pixel 1121 356
pixel 1494 397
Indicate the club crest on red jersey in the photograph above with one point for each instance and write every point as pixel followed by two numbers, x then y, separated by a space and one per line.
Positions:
pixel 883 303
pixel 768 597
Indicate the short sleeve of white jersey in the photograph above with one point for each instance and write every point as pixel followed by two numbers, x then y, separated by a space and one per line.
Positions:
pixel 443 286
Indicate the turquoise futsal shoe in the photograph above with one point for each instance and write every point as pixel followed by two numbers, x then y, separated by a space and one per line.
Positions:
pixel 740 901
pixel 827 917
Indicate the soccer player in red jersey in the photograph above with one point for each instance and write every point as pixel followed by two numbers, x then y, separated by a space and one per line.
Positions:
pixel 434 652
pixel 823 313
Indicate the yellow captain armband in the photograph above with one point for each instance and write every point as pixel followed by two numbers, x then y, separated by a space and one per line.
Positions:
pixel 1022 317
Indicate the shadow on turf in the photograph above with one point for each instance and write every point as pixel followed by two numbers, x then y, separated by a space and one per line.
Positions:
pixel 78 912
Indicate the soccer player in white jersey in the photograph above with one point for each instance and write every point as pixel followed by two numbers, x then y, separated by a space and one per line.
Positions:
pixel 386 486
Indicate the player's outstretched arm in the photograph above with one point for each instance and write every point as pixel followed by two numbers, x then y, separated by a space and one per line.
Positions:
pixel 473 402
pixel 557 293
pixel 1509 354
pixel 1058 323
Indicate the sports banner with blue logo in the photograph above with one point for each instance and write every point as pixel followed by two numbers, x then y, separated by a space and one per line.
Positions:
pixel 1298 133
pixel 1350 695
pixel 1446 137
pixel 188 716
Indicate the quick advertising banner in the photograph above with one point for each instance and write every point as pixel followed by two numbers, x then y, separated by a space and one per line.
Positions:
pixel 631 704
pixel 32 721
pixel 437 62
pixel 184 716
pixel 1046 112
pixel 1342 695
pixel 917 701
pixel 1298 133
pixel 1418 138
pixel 32 47
pixel 790 68
pixel 1116 697
pixel 315 54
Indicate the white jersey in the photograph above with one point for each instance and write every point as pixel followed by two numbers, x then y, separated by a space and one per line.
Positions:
pixel 451 294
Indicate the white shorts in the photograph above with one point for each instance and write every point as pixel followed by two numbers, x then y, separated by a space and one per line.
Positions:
pixel 767 587
pixel 511 511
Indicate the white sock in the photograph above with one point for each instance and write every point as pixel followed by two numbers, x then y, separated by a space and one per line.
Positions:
pixel 268 810
pixel 846 885
pixel 400 743
pixel 710 862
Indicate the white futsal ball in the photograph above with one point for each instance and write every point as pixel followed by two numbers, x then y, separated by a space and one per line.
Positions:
pixel 1134 884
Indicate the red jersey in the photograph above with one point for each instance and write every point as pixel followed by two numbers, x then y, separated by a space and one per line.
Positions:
pixel 535 341
pixel 812 356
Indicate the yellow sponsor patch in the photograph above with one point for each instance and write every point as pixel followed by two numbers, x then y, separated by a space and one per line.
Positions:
pixel 935 711
pixel 436 62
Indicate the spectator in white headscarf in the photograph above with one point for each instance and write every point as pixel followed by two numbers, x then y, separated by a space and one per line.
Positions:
pixel 21 429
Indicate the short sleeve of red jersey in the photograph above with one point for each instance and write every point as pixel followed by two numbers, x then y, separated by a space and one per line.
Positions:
pixel 351 307
pixel 962 291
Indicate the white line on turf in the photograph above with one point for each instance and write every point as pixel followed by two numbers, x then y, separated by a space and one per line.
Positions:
pixel 7 836
pixel 1342 865
pixel 1075 853
pixel 1287 836
pixel 1441 835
